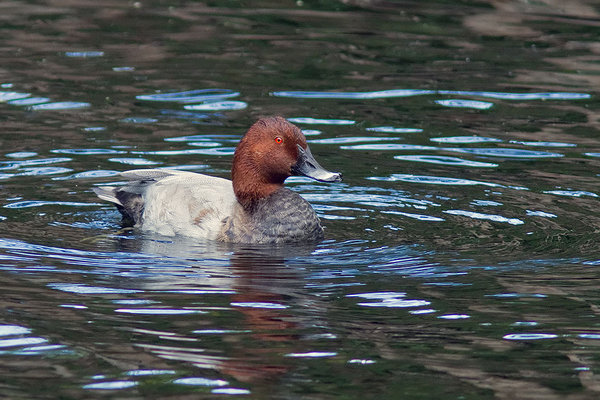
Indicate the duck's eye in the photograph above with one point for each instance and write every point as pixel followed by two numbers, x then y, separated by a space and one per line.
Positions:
pixel 278 140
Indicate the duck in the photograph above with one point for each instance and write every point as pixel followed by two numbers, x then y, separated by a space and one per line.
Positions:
pixel 252 207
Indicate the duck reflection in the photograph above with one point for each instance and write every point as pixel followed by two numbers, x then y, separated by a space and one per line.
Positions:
pixel 260 286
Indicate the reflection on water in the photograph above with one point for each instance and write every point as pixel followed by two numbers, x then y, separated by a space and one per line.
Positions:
pixel 460 251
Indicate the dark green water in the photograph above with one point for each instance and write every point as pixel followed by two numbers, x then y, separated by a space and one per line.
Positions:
pixel 460 259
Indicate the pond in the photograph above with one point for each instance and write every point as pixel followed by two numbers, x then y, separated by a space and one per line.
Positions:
pixel 460 251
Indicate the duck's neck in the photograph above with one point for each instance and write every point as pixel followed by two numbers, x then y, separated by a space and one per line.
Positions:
pixel 250 187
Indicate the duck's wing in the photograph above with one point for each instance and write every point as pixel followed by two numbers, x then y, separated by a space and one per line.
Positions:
pixel 173 202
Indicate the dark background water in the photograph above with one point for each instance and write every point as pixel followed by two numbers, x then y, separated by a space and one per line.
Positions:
pixel 460 254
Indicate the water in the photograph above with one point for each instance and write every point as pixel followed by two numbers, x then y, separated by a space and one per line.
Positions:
pixel 460 254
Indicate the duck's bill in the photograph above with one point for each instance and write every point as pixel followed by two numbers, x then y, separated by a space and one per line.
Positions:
pixel 306 165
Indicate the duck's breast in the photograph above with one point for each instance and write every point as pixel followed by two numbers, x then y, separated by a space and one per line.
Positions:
pixel 280 218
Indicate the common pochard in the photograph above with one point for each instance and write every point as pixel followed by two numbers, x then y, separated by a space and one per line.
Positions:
pixel 253 207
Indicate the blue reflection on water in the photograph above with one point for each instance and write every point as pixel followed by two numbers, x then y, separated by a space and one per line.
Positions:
pixel 465 139
pixel 218 106
pixel 87 152
pixel 520 96
pixel 391 129
pixel 29 101
pixel 61 105
pixel 32 203
pixel 353 139
pixel 308 120
pixel 444 160
pixel 6 165
pixel 489 217
pixel 354 95
pixel 431 180
pixel 544 144
pixel 388 146
pixel 478 105
pixel 84 54
pixel 508 153
pixel 191 96
pixel 8 96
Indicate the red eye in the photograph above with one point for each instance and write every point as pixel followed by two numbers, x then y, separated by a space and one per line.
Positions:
pixel 278 140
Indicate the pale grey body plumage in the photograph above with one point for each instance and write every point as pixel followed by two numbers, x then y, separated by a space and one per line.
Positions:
pixel 171 202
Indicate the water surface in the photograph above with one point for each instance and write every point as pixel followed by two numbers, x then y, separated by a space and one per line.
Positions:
pixel 460 254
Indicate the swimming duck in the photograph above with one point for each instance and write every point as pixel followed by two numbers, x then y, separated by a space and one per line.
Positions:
pixel 252 207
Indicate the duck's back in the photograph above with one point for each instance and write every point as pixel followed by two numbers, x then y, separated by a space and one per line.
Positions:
pixel 282 217
pixel 171 202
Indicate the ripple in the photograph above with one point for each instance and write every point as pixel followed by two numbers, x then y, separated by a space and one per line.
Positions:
pixel 43 171
pixel 544 144
pixel 490 217
pixel 94 129
pixel 158 311
pixel 397 303
pixel 454 316
pixel 123 69
pixel 218 106
pixel 218 151
pixel 84 54
pixel 525 323
pixel 84 289
pixel 391 129
pixel 540 214
pixel 354 95
pixel 8 330
pixel 478 105
pixel 431 180
pixel 205 138
pixel 421 312
pixel 420 217
pixel 100 173
pixel 571 193
pixel 311 132
pixel 307 120
pixel 231 391
pixel 191 96
pixel 529 336
pixel 33 203
pixel 87 152
pixel 149 372
pixel 353 139
pixel 273 306
pixel 387 146
pixel 60 105
pixel 21 341
pixel 29 101
pixel 520 96
pixel 114 385
pixel 594 336
pixel 508 153
pixel 25 154
pixel 312 354
pixel 485 203
pixel 446 161
pixel 517 295
pixel 205 144
pixel 378 295
pixel 139 120
pixel 9 96
pixel 465 139
pixel 133 161
pixel 361 361
pixel 200 382
pixel 23 163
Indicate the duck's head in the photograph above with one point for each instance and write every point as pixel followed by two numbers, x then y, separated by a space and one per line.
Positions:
pixel 271 151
